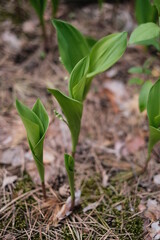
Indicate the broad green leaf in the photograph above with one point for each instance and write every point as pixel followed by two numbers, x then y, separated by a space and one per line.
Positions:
pixel 145 12
pixel 106 52
pixel 137 81
pixel 77 80
pixel 55 4
pixel 157 4
pixel 72 44
pixel 153 105
pixel 143 96
pixel 69 164
pixel 144 32
pixel 36 122
pixel 154 137
pixel 72 110
pixel 153 111
pixel 135 70
pixel 39 6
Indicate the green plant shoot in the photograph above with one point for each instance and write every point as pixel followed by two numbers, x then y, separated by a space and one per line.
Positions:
pixel 83 61
pixel 153 111
pixel 39 7
pixel 36 123
pixel 69 165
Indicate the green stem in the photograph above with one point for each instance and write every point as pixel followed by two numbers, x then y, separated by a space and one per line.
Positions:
pixel 45 38
pixel 69 164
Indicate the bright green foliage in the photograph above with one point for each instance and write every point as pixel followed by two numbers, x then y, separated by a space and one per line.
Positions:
pixel 106 52
pixel 55 4
pixel 36 122
pixel 145 34
pixel 145 12
pixel 103 55
pixel 84 62
pixel 69 165
pixel 136 81
pixel 72 110
pixel 72 44
pixel 157 4
pixel 78 79
pixel 39 6
pixel 143 96
pixel 135 70
pixel 153 111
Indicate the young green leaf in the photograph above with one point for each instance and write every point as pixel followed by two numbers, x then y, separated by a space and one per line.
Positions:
pixel 106 52
pixel 36 122
pixel 144 33
pixel 103 55
pixel 72 44
pixel 145 12
pixel 135 70
pixel 72 110
pixel 39 6
pixel 137 81
pixel 153 111
pixel 143 96
pixel 69 165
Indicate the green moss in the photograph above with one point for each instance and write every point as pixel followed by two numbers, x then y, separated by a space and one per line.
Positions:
pixel 121 221
pixel 20 214
pixel 24 185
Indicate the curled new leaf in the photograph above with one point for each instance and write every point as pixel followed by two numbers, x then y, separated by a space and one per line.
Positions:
pixel 78 79
pixel 153 111
pixel 36 122
pixel 72 110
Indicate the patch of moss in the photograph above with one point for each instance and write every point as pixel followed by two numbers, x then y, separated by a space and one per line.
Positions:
pixel 123 221
pixel 21 219
pixel 24 185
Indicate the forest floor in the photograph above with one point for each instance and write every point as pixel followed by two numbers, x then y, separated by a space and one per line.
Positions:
pixel 118 200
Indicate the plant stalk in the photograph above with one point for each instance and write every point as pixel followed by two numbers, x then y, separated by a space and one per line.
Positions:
pixel 73 189
pixel 44 191
pixel 45 38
